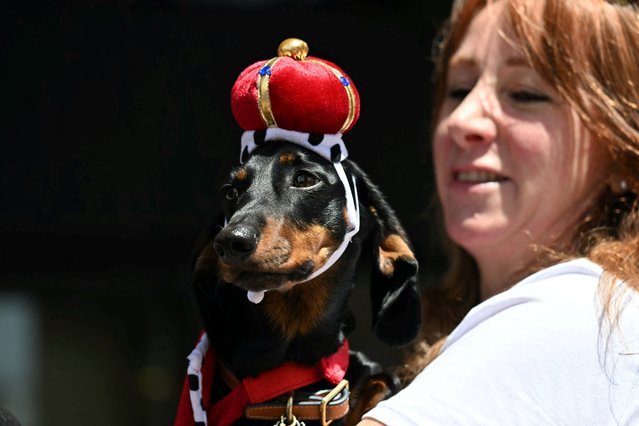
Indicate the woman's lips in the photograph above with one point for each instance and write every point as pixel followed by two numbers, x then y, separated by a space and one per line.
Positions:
pixel 477 176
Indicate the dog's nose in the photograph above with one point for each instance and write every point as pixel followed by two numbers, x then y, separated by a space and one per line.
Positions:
pixel 235 244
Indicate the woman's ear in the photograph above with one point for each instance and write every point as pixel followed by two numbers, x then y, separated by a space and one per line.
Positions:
pixel 394 290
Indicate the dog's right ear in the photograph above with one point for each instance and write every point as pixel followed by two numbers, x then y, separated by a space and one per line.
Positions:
pixel 395 298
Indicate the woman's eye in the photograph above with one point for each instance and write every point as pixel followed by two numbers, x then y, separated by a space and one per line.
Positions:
pixel 458 93
pixel 525 96
pixel 229 193
pixel 304 179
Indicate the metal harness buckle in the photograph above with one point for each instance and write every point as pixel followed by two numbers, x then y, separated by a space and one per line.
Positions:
pixel 328 398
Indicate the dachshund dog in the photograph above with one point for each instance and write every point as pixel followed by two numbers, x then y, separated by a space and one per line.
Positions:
pixel 284 214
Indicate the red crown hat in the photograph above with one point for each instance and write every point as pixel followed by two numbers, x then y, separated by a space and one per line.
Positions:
pixel 296 92
pixel 295 97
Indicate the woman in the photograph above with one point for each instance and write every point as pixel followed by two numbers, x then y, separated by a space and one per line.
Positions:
pixel 536 153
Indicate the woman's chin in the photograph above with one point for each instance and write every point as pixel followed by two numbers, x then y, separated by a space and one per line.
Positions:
pixel 475 234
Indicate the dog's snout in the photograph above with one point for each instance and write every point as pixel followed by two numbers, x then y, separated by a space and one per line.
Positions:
pixel 235 244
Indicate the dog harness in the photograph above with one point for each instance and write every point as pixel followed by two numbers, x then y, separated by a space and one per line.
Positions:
pixel 248 396
pixel 330 147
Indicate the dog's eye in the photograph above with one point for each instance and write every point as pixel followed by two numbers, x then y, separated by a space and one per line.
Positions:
pixel 229 192
pixel 303 179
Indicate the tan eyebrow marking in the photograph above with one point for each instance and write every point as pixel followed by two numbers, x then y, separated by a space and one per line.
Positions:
pixel 240 174
pixel 288 158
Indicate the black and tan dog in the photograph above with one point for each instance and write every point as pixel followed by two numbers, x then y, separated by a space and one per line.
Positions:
pixel 273 274
pixel 285 212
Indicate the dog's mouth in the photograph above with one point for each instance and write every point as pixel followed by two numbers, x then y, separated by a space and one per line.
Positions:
pixel 279 255
pixel 260 280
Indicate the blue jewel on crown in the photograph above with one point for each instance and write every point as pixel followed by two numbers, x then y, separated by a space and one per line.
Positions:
pixel 265 70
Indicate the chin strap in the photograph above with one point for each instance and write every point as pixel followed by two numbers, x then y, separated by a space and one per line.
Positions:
pixel 352 207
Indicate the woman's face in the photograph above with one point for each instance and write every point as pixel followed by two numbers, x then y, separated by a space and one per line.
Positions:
pixel 514 164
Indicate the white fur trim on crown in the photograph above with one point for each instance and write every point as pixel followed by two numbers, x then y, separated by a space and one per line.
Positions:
pixel 329 146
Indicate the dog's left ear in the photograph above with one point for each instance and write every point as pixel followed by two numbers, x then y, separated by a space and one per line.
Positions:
pixel 395 299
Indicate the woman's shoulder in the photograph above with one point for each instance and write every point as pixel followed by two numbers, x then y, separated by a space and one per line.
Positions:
pixel 562 292
pixel 562 310
pixel 581 268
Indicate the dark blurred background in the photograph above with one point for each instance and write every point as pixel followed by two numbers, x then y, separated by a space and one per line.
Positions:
pixel 116 133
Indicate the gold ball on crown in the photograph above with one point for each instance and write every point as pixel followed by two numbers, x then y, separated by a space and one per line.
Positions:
pixel 293 48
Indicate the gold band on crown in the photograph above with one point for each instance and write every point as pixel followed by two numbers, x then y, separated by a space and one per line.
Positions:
pixel 349 92
pixel 263 96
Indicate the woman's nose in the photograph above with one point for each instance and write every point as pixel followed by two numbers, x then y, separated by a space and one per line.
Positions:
pixel 472 121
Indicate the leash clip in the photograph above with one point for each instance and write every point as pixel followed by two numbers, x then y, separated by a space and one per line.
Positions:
pixel 295 422
pixel 290 419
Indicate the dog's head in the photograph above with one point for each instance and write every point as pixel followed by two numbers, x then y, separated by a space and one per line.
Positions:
pixel 285 213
